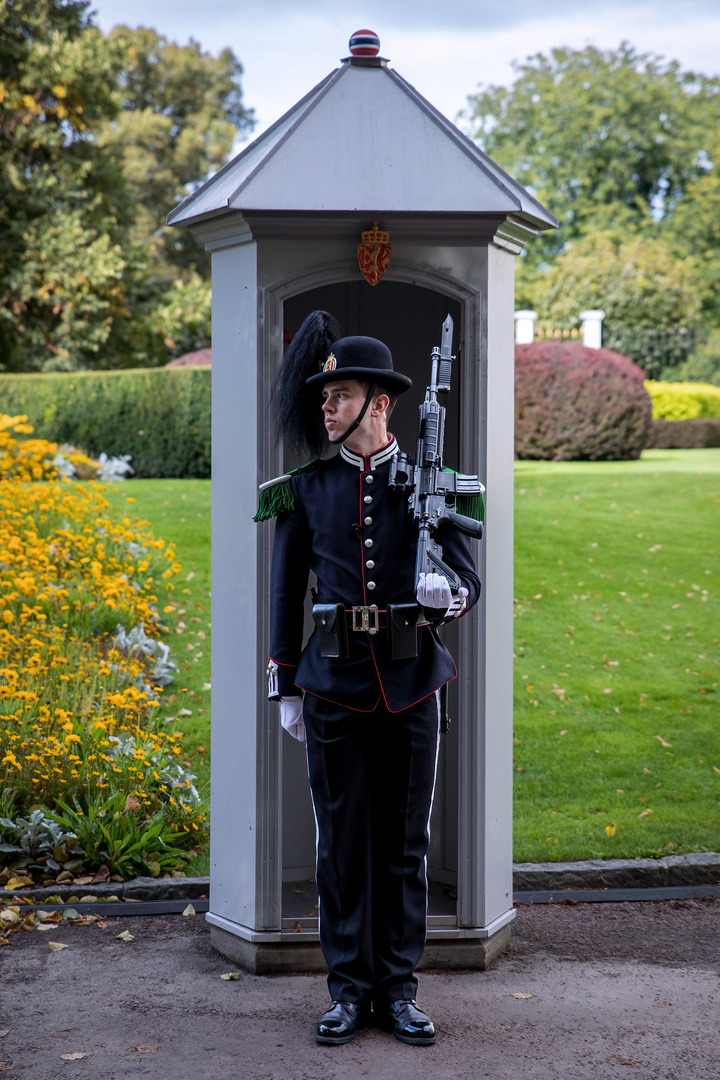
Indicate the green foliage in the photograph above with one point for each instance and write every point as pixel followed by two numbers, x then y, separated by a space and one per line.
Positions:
pixel 648 296
pixel 181 109
pixel 36 843
pixel 573 403
pixel 99 137
pixel 110 835
pixel 160 417
pixel 693 228
pixel 683 401
pixel 60 259
pixel 605 139
pixel 704 363
pixel 616 672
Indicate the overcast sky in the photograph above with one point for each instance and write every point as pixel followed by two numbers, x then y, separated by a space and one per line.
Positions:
pixel 445 49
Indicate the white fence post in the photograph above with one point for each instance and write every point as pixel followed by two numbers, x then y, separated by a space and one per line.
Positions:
pixel 592 328
pixel 525 327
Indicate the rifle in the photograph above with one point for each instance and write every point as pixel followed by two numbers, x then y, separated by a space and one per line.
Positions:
pixel 432 490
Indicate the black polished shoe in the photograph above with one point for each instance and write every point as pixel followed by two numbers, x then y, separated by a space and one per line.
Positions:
pixel 408 1023
pixel 340 1022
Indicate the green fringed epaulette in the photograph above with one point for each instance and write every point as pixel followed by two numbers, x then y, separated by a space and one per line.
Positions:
pixel 472 506
pixel 469 500
pixel 276 496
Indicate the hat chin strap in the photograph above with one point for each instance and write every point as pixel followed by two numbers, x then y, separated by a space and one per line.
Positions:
pixel 359 418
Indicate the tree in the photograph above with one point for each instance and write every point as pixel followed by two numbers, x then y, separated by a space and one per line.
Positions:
pixel 648 295
pixel 605 139
pixel 180 114
pixel 99 138
pixel 61 264
pixel 693 228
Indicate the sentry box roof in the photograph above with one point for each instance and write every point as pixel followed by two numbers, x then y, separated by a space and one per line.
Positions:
pixel 363 140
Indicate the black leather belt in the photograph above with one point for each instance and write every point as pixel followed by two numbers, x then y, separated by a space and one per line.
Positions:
pixel 371 619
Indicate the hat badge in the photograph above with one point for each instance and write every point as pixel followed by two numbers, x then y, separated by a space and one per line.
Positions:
pixel 330 363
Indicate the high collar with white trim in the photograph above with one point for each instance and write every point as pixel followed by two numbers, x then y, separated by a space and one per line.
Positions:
pixel 370 462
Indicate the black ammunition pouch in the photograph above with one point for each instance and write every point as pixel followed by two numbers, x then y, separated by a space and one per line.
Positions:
pixel 402 630
pixel 332 630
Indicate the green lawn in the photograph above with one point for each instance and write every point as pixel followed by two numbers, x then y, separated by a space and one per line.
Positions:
pixel 179 510
pixel 617 659
pixel 617 662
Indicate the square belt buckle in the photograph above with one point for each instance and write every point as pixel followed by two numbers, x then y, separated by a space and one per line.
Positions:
pixel 366 618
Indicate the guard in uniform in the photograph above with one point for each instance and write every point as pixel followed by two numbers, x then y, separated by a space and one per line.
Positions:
pixel 364 690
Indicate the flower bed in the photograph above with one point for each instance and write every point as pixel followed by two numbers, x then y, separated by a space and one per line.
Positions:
pixel 82 672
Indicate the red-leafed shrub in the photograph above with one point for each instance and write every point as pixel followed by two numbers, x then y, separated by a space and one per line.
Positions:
pixel 575 404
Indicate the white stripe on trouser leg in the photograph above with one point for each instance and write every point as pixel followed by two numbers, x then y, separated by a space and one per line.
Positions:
pixel 432 799
pixel 317 830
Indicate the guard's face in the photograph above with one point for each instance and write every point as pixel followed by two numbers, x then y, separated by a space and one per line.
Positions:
pixel 342 401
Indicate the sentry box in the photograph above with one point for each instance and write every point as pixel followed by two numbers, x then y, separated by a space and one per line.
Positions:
pixel 364 200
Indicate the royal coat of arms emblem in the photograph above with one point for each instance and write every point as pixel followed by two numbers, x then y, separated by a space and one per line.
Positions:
pixel 374 254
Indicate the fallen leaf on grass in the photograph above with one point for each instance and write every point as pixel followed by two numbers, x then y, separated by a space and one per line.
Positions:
pixel 610 830
pixel 521 995
pixel 56 946
pixel 147 1049
pixel 131 803
pixel 125 936
pixel 662 741
pixel 73 1057
pixel 232 976
pixel 189 910
pixel 644 813
pixel 564 731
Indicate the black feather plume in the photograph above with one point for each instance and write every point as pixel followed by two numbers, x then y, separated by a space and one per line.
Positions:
pixel 298 410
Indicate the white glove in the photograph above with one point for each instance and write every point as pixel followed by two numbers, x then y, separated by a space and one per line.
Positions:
pixel 433 591
pixel 291 717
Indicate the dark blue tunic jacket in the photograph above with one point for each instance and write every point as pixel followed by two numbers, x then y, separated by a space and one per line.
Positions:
pixel 360 540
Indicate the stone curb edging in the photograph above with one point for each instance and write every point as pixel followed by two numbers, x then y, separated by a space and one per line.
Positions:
pixel 698 868
pixel 141 888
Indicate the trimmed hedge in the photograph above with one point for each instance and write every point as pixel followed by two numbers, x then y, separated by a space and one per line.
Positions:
pixel 685 434
pixel 683 400
pixel 161 416
pixel 578 404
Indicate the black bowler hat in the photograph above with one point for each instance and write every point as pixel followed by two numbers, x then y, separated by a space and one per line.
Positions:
pixel 363 358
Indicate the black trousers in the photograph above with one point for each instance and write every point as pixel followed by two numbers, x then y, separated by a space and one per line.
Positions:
pixel 372 777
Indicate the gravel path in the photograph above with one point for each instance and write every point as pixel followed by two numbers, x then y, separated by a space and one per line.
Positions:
pixel 618 990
